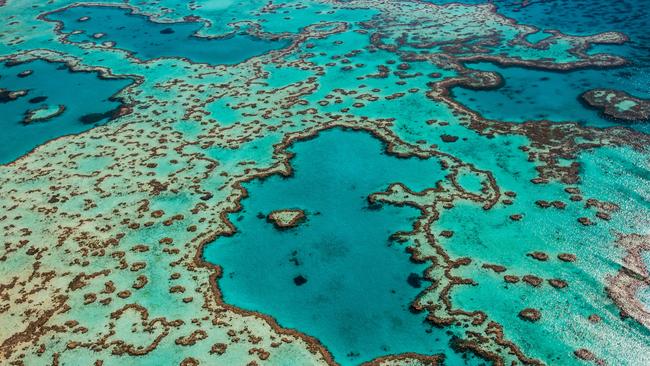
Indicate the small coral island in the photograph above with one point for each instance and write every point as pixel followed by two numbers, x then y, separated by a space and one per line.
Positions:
pixel 43 113
pixel 286 218
pixel 618 105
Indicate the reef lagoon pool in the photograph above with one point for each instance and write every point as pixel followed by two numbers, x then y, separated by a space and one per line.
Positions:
pixel 43 101
pixel 337 275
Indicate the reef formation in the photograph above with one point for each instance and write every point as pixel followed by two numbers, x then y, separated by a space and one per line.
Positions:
pixel 533 234
pixel 283 219
pixel 618 104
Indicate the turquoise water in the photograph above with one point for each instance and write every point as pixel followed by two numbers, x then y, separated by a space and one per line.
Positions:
pixel 338 276
pixel 146 39
pixel 357 293
pixel 587 17
pixel 536 95
pixel 618 175
pixel 533 94
pixel 86 97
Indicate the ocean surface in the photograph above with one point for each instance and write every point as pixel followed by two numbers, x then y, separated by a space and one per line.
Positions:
pixel 463 201
pixel 87 101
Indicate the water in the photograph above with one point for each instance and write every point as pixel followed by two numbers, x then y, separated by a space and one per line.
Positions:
pixel 532 94
pixel 356 296
pixel 146 39
pixel 87 100
pixel 338 276
pixel 542 95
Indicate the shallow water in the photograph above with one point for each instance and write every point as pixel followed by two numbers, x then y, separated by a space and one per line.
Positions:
pixel 535 94
pixel 139 197
pixel 528 95
pixel 146 39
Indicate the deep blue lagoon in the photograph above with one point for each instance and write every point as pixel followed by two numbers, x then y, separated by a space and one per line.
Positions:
pixel 146 39
pixel 357 294
pixel 85 100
